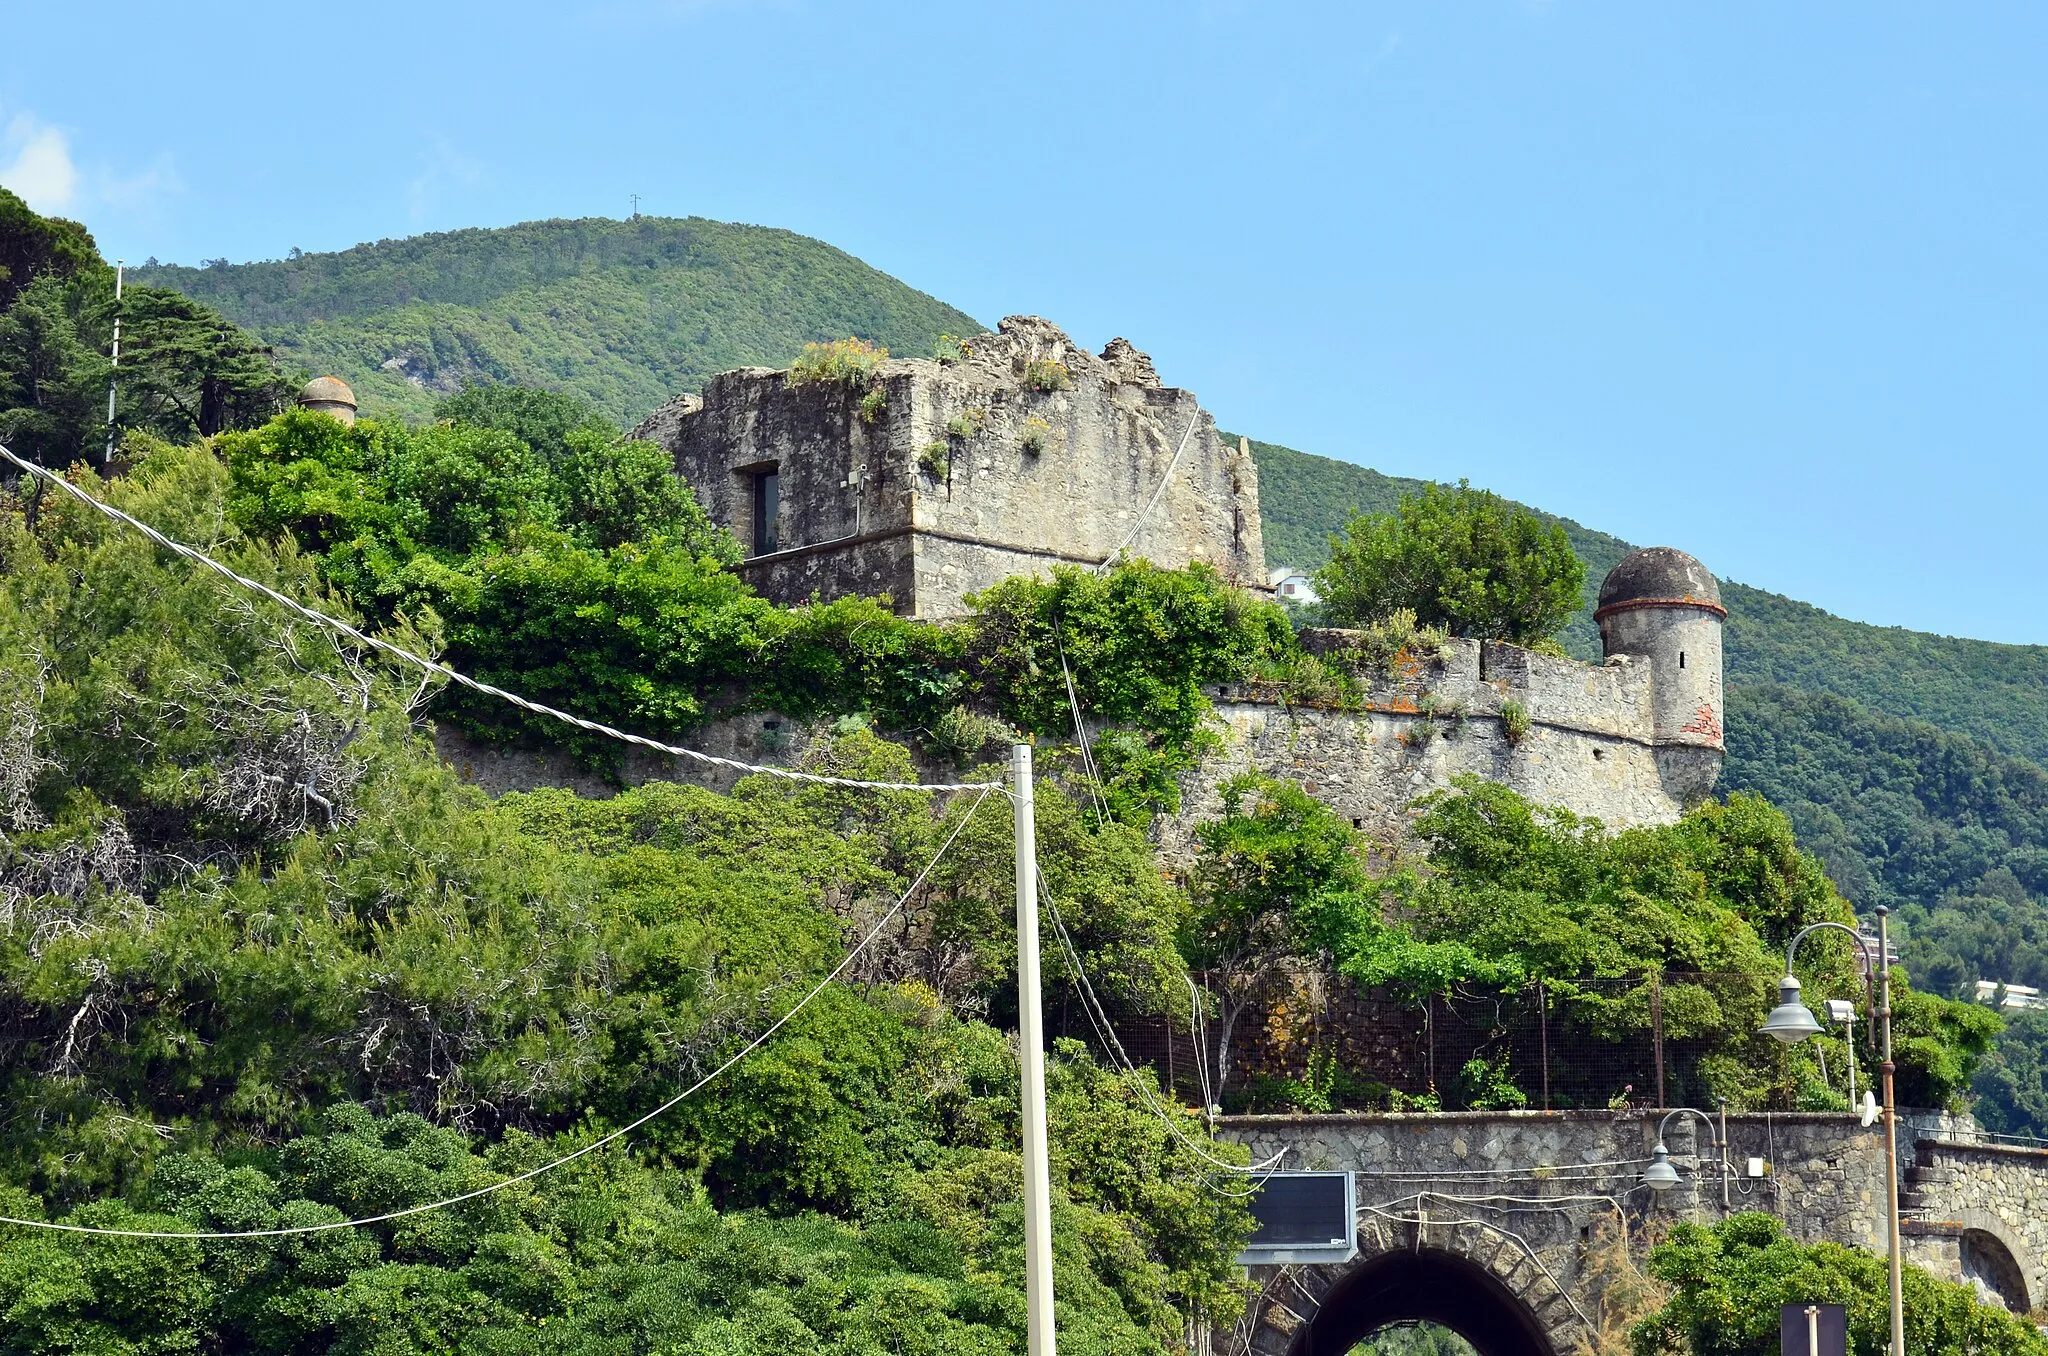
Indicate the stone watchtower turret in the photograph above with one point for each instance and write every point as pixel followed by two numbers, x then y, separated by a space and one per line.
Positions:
pixel 1662 607
pixel 330 396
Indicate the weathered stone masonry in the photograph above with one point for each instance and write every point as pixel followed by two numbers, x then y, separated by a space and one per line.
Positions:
pixel 1529 1198
pixel 1038 478
pixel 1591 741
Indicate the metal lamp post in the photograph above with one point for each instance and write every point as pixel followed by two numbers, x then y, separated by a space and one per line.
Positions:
pixel 1791 1022
pixel 1661 1175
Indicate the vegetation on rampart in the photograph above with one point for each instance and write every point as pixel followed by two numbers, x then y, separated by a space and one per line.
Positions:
pixel 1461 559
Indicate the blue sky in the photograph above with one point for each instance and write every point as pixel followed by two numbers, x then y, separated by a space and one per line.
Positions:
pixel 1766 282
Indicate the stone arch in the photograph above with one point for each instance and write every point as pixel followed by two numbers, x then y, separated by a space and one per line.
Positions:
pixel 1479 1282
pixel 1994 1259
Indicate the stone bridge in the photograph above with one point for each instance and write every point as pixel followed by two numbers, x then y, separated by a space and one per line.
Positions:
pixel 1523 1231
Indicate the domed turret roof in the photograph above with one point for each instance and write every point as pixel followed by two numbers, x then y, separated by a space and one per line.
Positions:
pixel 1659 574
pixel 322 389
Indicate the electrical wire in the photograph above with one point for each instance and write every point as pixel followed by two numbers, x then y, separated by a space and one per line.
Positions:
pixel 567 1158
pixel 1421 1223
pixel 399 652
pixel 1099 1020
pixel 1157 490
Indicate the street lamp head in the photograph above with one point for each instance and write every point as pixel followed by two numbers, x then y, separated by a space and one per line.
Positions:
pixel 1791 1021
pixel 1660 1175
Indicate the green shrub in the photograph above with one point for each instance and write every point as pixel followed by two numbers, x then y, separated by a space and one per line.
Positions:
pixel 948 348
pixel 967 737
pixel 1458 558
pixel 1047 374
pixel 1377 646
pixel 1037 436
pixel 850 361
pixel 967 424
pixel 1730 1279
pixel 1514 720
pixel 1140 642
pixel 936 459
pixel 874 404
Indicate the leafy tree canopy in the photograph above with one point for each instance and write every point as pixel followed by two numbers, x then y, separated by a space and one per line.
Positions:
pixel 185 371
pixel 1730 1280
pixel 269 962
pixel 1462 559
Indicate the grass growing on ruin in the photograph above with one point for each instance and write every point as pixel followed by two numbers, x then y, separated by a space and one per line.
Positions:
pixel 1037 436
pixel 849 361
pixel 1514 721
pixel 1047 374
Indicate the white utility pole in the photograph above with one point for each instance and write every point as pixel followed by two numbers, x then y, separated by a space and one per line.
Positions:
pixel 1031 1053
pixel 108 460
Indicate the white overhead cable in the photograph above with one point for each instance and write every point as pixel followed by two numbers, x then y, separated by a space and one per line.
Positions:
pixel 1157 490
pixel 570 1157
pixel 462 679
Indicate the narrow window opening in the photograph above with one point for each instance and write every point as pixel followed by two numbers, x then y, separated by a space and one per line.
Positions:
pixel 1598 755
pixel 767 512
pixel 1681 659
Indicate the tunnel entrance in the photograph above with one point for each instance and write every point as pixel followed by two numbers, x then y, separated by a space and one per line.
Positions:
pixel 1422 1286
pixel 1990 1266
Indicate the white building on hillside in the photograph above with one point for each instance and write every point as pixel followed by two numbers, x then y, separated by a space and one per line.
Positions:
pixel 1292 586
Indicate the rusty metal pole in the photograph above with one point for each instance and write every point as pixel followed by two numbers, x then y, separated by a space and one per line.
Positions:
pixel 1657 1029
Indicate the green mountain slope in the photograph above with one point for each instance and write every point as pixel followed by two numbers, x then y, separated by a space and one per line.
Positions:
pixel 624 313
pixel 1998 694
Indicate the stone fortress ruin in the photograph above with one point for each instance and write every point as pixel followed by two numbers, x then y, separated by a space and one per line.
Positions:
pixel 933 479
pixel 1028 451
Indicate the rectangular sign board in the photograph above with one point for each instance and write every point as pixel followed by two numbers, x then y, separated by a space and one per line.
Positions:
pixel 1303 1217
pixel 1813 1330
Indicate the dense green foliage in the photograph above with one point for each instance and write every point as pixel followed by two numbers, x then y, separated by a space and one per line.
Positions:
pixel 1458 558
pixel 579 570
pixel 1904 813
pixel 1908 763
pixel 622 313
pixel 255 931
pixel 1138 643
pixel 2012 1084
pixel 1730 1279
pixel 185 371
pixel 1510 894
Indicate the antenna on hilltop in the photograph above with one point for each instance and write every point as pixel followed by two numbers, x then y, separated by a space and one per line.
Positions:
pixel 636 205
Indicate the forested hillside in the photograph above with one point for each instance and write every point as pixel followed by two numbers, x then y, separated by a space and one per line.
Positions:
pixel 622 313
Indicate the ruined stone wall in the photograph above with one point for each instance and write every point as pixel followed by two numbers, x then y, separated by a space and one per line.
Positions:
pixel 1588 744
pixel 968 473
